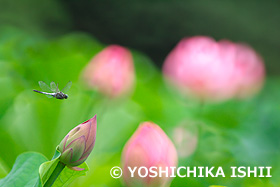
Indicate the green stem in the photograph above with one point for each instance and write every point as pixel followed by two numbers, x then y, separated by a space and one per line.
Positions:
pixel 95 97
pixel 58 169
pixel 97 100
pixel 201 107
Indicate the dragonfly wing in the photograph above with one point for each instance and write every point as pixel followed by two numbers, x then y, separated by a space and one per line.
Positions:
pixel 49 96
pixel 44 87
pixel 54 87
pixel 67 87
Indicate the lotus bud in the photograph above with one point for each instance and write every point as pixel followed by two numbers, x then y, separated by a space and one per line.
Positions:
pixel 111 71
pixel 198 67
pixel 149 147
pixel 185 138
pixel 78 143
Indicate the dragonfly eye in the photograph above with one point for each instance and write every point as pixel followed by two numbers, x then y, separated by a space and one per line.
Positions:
pixel 66 96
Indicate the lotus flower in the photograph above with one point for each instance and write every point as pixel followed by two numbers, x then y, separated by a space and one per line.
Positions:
pixel 214 71
pixel 111 71
pixel 149 146
pixel 249 68
pixel 78 143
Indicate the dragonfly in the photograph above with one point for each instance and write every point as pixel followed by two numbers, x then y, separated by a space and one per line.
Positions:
pixel 52 91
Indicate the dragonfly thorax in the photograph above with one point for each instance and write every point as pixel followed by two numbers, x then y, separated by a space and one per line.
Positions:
pixel 61 95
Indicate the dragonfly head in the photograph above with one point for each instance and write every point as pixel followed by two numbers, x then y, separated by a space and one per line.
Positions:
pixel 66 96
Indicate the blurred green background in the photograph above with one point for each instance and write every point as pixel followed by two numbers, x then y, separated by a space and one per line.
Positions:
pixel 54 40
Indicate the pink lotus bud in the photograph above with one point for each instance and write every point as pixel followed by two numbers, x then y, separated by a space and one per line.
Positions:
pixel 249 68
pixel 149 146
pixel 78 143
pixel 111 71
pixel 185 138
pixel 198 67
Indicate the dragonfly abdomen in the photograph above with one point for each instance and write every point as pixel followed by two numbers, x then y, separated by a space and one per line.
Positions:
pixel 51 94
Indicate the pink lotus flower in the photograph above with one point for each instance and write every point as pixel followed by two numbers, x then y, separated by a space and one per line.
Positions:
pixel 149 146
pixel 111 71
pixel 78 143
pixel 249 68
pixel 211 70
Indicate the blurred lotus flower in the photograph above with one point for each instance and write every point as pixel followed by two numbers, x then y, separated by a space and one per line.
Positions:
pixel 149 146
pixel 78 143
pixel 211 70
pixel 249 66
pixel 111 71
pixel 196 67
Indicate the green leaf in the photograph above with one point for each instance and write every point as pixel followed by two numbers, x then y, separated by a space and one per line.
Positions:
pixel 65 177
pixel 68 175
pixel 3 170
pixel 25 170
pixel 47 168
